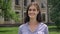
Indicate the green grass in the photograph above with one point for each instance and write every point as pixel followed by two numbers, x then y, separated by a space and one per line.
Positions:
pixel 14 30
pixel 8 30
pixel 53 30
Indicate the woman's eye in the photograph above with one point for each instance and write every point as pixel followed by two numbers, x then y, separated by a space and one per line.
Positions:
pixel 32 10
pixel 29 10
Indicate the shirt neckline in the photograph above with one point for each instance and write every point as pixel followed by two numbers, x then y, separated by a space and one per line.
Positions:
pixel 35 29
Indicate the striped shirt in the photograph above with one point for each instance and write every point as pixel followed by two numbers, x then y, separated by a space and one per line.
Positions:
pixel 41 29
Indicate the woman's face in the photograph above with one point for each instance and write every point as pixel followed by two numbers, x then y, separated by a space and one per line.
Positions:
pixel 32 12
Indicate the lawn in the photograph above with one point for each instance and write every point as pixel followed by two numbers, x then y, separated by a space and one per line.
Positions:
pixel 14 30
pixel 8 30
pixel 53 30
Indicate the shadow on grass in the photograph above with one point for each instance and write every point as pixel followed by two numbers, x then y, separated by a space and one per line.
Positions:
pixel 5 30
pixel 54 29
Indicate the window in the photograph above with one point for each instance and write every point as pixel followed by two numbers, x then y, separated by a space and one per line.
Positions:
pixel 42 5
pixel 25 2
pixel 43 17
pixel 17 12
pixel 17 2
pixel 6 18
pixel 32 0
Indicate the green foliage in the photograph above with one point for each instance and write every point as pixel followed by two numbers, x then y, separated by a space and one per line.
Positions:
pixel 1 3
pixel 55 11
pixel 14 16
pixel 7 12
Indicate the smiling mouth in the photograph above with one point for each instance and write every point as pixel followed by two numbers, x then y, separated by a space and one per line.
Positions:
pixel 31 14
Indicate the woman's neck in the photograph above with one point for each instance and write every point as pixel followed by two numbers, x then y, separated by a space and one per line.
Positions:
pixel 33 22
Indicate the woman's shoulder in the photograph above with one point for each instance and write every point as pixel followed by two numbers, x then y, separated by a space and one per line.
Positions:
pixel 43 24
pixel 22 26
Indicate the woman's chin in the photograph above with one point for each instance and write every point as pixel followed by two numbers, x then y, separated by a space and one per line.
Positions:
pixel 31 16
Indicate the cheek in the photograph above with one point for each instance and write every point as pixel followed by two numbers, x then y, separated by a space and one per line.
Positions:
pixel 37 12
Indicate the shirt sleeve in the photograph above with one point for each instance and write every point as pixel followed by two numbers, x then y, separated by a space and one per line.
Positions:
pixel 19 30
pixel 46 30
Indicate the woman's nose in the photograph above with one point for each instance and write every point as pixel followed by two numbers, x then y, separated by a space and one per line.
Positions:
pixel 31 11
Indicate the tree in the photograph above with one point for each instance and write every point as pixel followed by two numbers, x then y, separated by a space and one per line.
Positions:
pixel 7 12
pixel 54 6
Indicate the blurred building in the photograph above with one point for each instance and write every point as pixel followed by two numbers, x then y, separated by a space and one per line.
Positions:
pixel 19 6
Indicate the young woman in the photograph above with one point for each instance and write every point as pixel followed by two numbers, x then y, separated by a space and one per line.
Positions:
pixel 33 24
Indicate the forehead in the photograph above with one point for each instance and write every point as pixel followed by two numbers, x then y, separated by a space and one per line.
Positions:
pixel 32 7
